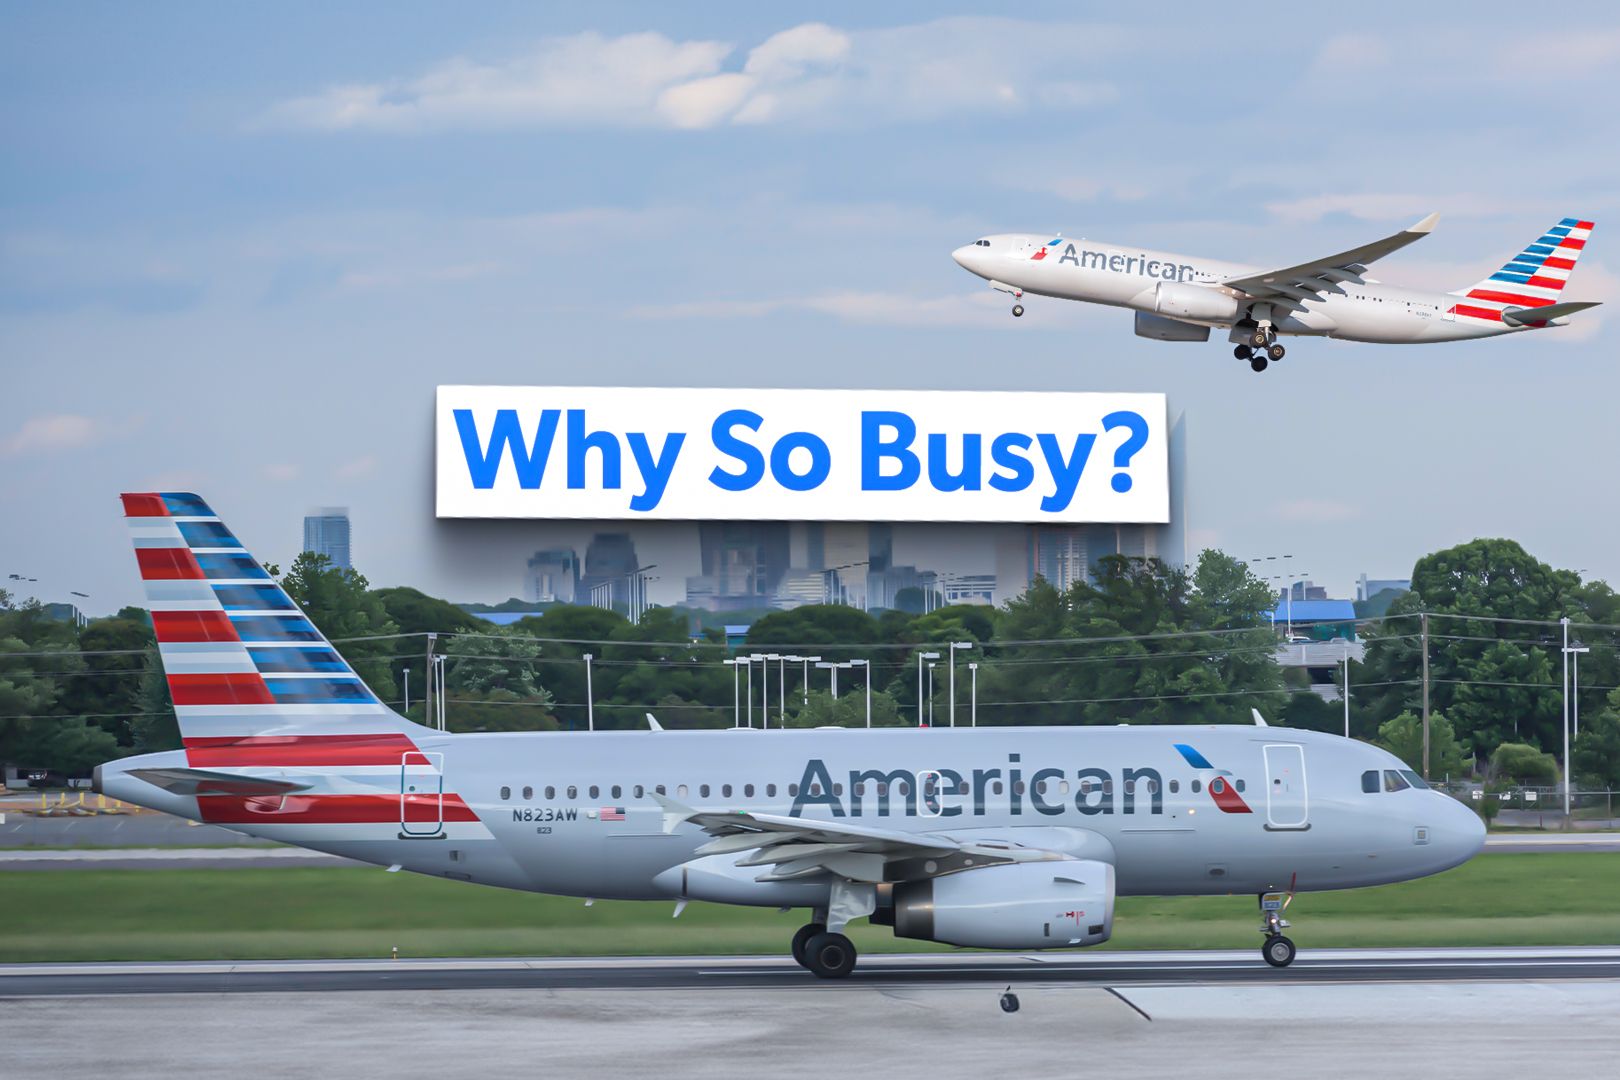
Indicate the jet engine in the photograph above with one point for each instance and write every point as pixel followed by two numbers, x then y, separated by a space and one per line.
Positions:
pixel 1182 301
pixel 1030 905
pixel 1159 328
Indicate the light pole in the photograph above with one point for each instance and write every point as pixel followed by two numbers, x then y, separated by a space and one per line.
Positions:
pixel 1569 652
pixel 407 689
pixel 867 664
pixel 736 697
pixel 953 647
pixel 833 666
pixel 1564 622
pixel 1346 646
pixel 590 702
pixel 1575 690
pixel 920 658
pixel 781 689
pixel 749 697
pixel 805 678
pixel 931 693
pixel 765 691
pixel 973 694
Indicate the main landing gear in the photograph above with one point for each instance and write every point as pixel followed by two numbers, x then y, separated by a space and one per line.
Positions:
pixel 828 956
pixel 1278 950
pixel 1261 349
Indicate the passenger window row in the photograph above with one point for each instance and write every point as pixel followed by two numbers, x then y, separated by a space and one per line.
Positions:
pixel 1150 786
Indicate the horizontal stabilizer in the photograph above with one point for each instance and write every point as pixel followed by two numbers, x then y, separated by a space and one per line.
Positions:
pixel 1528 316
pixel 203 782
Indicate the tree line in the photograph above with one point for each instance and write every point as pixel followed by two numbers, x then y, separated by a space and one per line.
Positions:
pixel 1141 642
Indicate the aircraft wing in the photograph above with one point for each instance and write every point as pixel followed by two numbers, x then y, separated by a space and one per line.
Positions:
pixel 1314 280
pixel 793 847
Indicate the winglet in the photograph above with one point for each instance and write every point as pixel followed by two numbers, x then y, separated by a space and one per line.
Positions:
pixel 653 723
pixel 674 812
pixel 1426 225
pixel 1259 721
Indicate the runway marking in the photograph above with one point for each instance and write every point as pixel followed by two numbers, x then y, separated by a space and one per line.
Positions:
pixel 1129 1002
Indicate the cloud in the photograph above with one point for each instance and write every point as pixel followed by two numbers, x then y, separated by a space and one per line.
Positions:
pixel 280 473
pixel 977 309
pixel 57 431
pixel 1384 207
pixel 358 468
pixel 812 72
pixel 1316 511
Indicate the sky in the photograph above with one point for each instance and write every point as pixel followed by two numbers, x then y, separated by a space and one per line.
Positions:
pixel 241 244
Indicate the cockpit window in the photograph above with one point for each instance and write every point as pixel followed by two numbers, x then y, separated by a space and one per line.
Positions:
pixel 1394 781
pixel 1369 781
pixel 1414 779
pixel 981 243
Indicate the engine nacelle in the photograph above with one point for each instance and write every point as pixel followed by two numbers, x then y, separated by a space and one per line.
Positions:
pixel 1180 300
pixel 1033 905
pixel 1160 328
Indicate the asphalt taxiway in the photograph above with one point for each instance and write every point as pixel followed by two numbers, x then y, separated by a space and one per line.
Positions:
pixel 1335 1013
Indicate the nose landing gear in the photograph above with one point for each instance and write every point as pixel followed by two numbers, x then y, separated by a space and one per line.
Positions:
pixel 1018 311
pixel 1278 950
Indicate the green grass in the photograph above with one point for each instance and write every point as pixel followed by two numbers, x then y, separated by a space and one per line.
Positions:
pixel 1528 899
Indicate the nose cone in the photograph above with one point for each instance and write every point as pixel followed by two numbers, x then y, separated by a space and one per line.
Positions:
pixel 1461 834
pixel 964 256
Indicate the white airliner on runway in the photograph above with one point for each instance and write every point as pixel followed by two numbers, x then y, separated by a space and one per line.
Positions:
pixel 1004 838
pixel 1181 297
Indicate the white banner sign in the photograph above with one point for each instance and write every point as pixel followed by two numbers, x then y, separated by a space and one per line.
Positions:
pixel 601 453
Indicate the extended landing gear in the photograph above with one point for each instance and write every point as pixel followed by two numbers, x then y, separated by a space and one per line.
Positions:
pixel 806 932
pixel 829 956
pixel 1262 349
pixel 1278 950
pixel 1018 311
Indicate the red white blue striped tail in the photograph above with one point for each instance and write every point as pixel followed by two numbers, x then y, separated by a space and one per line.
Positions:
pixel 1533 278
pixel 241 658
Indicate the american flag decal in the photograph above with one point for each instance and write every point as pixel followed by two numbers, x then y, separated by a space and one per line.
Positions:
pixel 611 813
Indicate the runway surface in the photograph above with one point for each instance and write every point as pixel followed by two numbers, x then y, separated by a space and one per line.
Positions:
pixel 773 973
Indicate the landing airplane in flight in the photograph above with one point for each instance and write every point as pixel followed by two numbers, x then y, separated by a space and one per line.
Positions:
pixel 1003 838
pixel 1183 297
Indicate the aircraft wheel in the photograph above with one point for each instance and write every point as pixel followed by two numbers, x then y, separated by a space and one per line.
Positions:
pixel 1258 363
pixel 1276 352
pixel 830 956
pixel 1243 352
pixel 1018 310
pixel 806 932
pixel 1259 339
pixel 1278 951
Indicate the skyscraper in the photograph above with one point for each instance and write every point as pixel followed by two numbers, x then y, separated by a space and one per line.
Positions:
pixel 326 532
pixel 553 576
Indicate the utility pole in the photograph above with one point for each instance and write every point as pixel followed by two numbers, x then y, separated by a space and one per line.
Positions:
pixel 1425 636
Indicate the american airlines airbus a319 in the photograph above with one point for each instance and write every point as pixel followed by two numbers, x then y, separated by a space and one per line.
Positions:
pixel 1003 838
pixel 1183 297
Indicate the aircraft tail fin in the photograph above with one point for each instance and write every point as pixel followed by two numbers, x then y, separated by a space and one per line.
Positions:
pixel 244 664
pixel 1533 278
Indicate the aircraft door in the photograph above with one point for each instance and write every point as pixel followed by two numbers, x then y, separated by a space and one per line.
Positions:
pixel 421 794
pixel 1287 801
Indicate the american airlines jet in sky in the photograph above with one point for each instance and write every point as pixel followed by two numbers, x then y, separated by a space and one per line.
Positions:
pixel 1183 297
pixel 1003 838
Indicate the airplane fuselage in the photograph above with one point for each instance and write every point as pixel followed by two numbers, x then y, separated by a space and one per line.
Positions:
pixel 1126 276
pixel 1177 810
